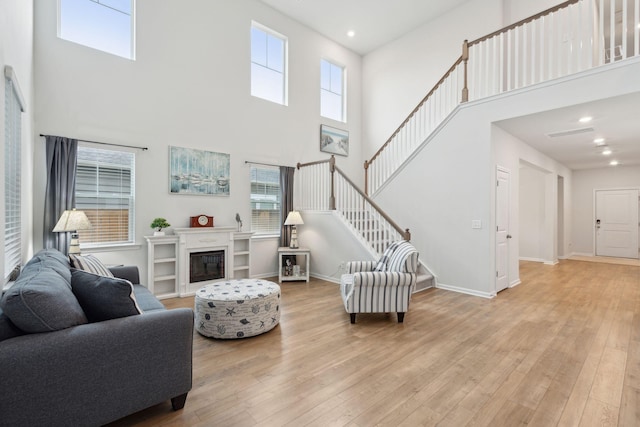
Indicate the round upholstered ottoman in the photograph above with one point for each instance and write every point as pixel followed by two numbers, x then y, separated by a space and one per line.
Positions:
pixel 237 308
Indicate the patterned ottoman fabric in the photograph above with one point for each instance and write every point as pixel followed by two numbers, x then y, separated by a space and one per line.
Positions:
pixel 237 308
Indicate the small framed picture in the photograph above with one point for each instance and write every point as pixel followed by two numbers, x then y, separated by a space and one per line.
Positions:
pixel 334 141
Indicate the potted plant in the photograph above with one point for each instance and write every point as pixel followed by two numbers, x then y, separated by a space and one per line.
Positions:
pixel 158 224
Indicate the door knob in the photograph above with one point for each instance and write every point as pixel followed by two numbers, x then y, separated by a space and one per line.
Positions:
pixel 508 236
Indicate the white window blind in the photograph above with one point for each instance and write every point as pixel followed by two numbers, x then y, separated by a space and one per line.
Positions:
pixel 105 191
pixel 265 200
pixel 12 173
pixel 268 64
pixel 332 91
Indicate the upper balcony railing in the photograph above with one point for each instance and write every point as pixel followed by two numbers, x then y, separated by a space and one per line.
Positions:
pixel 571 37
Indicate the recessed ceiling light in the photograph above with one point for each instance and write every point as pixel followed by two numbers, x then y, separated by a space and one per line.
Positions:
pixel 585 119
pixel 606 152
pixel 613 163
pixel 599 141
pixel 351 33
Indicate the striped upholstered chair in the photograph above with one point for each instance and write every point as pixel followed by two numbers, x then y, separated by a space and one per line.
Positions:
pixel 383 286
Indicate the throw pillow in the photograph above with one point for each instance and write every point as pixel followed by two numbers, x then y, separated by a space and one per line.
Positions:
pixel 42 301
pixel 403 259
pixel 89 263
pixel 384 259
pixel 103 298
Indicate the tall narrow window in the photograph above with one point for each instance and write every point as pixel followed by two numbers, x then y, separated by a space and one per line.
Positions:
pixel 105 191
pixel 332 91
pixel 268 64
pixel 106 25
pixel 265 200
pixel 13 107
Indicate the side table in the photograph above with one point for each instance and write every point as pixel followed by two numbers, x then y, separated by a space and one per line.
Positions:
pixel 303 274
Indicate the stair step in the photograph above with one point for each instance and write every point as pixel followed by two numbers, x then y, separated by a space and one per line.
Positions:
pixel 424 281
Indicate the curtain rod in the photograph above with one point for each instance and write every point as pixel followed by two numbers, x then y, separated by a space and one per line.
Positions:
pixel 263 164
pixel 108 143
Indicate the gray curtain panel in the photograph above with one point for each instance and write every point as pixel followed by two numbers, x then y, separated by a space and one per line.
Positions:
pixel 286 202
pixel 61 188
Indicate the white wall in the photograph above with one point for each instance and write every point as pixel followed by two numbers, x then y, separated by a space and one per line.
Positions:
pixel 532 212
pixel 189 87
pixel 16 48
pixel 397 76
pixel 451 180
pixel 585 182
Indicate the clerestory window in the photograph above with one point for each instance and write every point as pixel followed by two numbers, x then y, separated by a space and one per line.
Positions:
pixel 106 25
pixel 268 64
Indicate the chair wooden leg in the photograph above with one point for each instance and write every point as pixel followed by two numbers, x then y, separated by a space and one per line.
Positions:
pixel 400 317
pixel 353 317
pixel 178 402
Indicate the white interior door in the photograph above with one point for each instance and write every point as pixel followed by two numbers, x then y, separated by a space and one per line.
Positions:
pixel 502 230
pixel 617 223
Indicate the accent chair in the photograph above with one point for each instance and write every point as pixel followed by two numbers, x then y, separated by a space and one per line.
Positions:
pixel 383 286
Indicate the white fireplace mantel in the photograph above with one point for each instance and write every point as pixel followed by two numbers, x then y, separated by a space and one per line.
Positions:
pixel 201 240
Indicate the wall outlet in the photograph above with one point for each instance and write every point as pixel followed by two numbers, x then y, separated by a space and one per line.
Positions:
pixel 476 224
pixel 342 266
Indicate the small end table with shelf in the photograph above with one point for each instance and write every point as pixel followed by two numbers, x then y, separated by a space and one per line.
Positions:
pixel 304 268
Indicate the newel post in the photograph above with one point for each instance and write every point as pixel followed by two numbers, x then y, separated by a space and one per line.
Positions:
pixel 465 59
pixel 366 177
pixel 332 170
pixel 407 235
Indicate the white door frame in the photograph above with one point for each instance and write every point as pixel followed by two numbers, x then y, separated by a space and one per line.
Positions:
pixel 507 263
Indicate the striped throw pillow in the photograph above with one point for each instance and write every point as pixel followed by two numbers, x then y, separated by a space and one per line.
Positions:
pixel 382 264
pixel 403 259
pixel 89 263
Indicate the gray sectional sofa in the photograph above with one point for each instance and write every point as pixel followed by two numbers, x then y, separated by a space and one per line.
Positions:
pixel 74 351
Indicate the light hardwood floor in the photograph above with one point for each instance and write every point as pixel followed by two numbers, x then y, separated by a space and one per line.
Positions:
pixel 562 348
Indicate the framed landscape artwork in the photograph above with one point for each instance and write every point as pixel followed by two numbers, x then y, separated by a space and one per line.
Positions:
pixel 334 141
pixel 198 172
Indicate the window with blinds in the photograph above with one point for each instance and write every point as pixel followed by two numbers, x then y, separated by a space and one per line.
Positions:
pixel 265 200
pixel 12 176
pixel 105 183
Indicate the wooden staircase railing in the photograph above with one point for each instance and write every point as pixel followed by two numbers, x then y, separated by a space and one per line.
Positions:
pixel 322 185
pixel 568 38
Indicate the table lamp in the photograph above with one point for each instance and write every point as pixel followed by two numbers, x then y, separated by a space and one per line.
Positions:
pixel 294 219
pixel 73 221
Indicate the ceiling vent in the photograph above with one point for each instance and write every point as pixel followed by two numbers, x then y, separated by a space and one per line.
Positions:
pixel 570 132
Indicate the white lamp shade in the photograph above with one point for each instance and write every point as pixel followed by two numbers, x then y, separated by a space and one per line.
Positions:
pixel 72 220
pixel 294 218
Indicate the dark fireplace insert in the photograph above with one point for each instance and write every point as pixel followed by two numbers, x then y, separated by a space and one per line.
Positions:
pixel 205 266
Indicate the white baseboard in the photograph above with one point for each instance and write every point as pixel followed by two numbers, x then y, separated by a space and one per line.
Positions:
pixel 465 291
pixel 524 258
pixel 581 254
pixel 514 283
pixel 327 278
pixel 554 262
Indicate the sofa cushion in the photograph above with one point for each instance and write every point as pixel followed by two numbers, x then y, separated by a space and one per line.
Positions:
pixel 7 328
pixel 103 298
pixel 53 259
pixel 42 301
pixel 89 263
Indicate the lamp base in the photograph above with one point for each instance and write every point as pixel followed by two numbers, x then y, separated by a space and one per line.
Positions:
pixel 74 245
pixel 293 243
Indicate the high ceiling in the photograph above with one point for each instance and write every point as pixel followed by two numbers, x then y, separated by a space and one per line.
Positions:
pixel 377 22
